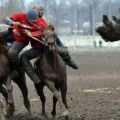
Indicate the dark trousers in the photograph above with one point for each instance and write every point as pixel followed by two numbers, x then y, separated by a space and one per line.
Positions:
pixel 27 56
pixel 14 51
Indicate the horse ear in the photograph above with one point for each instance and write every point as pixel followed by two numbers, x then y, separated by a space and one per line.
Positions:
pixel 51 26
pixel 105 19
pixel 115 19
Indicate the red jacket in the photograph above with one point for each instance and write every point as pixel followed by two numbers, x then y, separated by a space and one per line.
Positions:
pixel 21 17
pixel 40 22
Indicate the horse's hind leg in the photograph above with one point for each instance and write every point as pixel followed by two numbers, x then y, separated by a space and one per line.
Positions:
pixel 20 80
pixel 63 93
pixel 56 93
pixel 10 108
pixel 39 87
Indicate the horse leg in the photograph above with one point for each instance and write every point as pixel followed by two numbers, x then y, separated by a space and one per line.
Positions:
pixel 11 107
pixel 39 87
pixel 51 86
pixel 54 107
pixel 63 94
pixel 20 80
pixel 4 93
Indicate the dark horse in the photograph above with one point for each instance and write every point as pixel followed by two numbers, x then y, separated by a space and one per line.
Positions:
pixel 52 71
pixel 109 31
pixel 6 75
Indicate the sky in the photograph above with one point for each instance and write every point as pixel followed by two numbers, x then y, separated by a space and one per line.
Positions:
pixel 27 1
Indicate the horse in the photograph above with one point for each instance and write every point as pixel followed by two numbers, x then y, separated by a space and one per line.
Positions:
pixel 6 75
pixel 109 31
pixel 52 71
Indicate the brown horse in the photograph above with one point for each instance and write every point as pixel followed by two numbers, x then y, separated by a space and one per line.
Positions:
pixel 6 75
pixel 109 31
pixel 52 71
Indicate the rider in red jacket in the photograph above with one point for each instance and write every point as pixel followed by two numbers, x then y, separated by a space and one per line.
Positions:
pixel 21 40
pixel 60 47
pixel 16 22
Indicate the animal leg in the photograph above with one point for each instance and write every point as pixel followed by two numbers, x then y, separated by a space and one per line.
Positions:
pixel 2 113
pixel 39 87
pixel 11 107
pixel 4 93
pixel 63 94
pixel 54 107
pixel 56 93
pixel 20 80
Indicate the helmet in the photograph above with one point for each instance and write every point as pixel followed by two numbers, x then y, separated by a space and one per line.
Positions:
pixel 39 9
pixel 32 14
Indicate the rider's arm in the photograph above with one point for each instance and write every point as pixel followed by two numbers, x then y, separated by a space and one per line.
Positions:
pixel 14 19
pixel 9 21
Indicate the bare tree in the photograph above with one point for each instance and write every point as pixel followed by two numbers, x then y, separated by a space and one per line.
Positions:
pixel 14 6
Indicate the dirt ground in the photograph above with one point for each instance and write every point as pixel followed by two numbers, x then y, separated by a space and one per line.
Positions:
pixel 93 90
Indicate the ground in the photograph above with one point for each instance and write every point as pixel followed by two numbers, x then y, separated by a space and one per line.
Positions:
pixel 93 90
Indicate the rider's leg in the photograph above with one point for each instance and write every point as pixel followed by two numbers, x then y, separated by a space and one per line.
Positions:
pixel 3 35
pixel 65 54
pixel 9 38
pixel 59 42
pixel 25 60
pixel 13 53
pixel 6 37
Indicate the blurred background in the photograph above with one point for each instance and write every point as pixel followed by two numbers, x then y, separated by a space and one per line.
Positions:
pixel 74 20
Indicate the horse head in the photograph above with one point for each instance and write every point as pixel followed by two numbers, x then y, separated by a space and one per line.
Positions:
pixel 49 37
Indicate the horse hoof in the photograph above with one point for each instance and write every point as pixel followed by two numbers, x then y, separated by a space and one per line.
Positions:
pixel 66 118
pixel 10 115
pixel 10 110
pixel 30 116
pixel 54 118
pixel 44 116
pixel 65 113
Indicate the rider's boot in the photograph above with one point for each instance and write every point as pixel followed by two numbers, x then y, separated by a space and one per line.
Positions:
pixel 68 60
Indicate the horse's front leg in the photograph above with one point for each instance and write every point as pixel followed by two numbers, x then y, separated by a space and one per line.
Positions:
pixel 54 107
pixel 10 107
pixel 39 87
pixel 56 93
pixel 64 93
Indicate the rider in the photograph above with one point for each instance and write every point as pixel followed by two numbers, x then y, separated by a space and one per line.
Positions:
pixel 61 49
pixel 20 36
pixel 31 53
